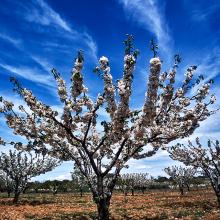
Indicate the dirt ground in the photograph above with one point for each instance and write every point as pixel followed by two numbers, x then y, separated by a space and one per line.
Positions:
pixel 154 205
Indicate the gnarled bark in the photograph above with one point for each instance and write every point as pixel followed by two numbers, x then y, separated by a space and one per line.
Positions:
pixel 103 209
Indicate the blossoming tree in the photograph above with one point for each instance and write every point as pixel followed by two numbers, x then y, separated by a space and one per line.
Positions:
pixel 6 183
pixel 168 113
pixel 181 176
pixel 132 181
pixel 79 180
pixel 20 167
pixel 205 158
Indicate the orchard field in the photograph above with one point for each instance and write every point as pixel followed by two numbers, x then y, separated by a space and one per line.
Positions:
pixel 153 205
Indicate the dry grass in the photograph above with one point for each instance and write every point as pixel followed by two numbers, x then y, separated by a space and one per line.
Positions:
pixel 152 205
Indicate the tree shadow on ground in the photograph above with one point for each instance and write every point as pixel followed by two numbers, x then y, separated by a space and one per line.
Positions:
pixel 26 202
pixel 65 216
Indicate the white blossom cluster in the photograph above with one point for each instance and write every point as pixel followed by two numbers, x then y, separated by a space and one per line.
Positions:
pixel 149 108
pixel 189 75
pixel 2 142
pixel 109 89
pixel 37 106
pixel 179 92
pixel 62 89
pixel 61 86
pixel 124 91
pixel 77 78
pixel 7 106
pixel 172 75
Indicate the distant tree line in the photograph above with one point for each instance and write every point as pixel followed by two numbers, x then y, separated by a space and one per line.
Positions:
pixel 128 184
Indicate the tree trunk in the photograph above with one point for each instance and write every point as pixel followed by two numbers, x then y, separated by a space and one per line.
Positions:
pixel 218 199
pixel 16 197
pixel 103 209
pixel 181 190
pixel 16 193
pixel 187 185
pixel 24 191
pixel 9 194
pixel 81 192
pixel 132 192
pixel 102 199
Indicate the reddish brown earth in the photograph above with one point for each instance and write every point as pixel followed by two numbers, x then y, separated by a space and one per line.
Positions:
pixel 155 205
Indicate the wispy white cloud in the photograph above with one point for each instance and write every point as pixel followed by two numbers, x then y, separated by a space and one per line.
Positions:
pixel 29 74
pixel 16 42
pixel 61 172
pixel 137 166
pixel 41 13
pixel 209 67
pixel 154 165
pixel 38 75
pixel 42 62
pixel 201 15
pixel 150 16
pixel 45 15
pixel 66 176
pixel 92 46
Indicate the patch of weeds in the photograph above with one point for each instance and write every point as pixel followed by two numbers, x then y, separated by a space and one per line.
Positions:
pixel 163 216
pixel 138 208
pixel 120 209
pixel 59 216
pixel 34 217
pixel 36 202
pixel 45 218
pixel 76 216
pixel 4 195
pixel 198 214
pixel 206 205
pixel 125 199
pixel 7 202
pixel 182 213
pixel 29 216
pixel 93 215
pixel 80 201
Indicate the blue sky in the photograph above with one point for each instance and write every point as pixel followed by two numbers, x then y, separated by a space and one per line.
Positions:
pixel 38 35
